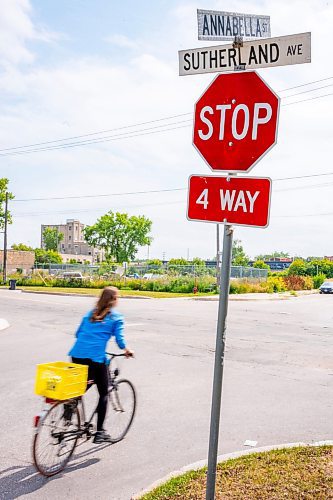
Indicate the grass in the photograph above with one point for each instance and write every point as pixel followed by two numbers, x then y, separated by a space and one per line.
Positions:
pixel 296 473
pixel 96 292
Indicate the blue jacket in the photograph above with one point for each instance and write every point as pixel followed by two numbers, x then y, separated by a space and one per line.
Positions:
pixel 92 337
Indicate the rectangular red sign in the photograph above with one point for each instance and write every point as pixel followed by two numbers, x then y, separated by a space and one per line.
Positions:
pixel 242 201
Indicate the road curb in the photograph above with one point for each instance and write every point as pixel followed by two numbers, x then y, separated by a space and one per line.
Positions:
pixel 4 324
pixel 223 458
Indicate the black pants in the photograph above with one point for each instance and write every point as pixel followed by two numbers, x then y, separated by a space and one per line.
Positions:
pixel 98 372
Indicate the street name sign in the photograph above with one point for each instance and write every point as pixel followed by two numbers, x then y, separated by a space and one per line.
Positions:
pixel 243 201
pixel 235 121
pixel 261 53
pixel 213 25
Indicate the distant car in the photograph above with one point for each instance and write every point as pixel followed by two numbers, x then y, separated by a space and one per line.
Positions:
pixel 152 276
pixel 71 275
pixel 326 287
pixel 134 276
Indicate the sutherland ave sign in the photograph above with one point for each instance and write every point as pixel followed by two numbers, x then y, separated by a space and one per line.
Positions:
pixel 264 53
pixel 214 25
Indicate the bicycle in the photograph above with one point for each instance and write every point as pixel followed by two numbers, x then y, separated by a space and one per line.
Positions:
pixel 58 428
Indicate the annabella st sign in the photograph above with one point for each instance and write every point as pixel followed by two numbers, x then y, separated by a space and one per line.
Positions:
pixel 234 200
pixel 236 121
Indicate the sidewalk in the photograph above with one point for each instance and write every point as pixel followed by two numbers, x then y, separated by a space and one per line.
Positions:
pixel 261 296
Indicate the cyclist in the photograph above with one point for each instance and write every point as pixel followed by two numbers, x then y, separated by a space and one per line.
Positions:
pixel 92 336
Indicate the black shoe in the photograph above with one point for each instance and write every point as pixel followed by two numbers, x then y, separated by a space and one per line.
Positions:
pixel 102 437
pixel 68 410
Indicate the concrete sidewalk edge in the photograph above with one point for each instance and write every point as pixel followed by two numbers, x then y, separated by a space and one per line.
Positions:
pixel 64 294
pixel 223 458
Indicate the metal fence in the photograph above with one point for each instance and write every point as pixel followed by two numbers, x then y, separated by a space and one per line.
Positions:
pixel 152 271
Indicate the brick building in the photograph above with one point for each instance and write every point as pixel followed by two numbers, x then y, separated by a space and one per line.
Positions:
pixel 17 259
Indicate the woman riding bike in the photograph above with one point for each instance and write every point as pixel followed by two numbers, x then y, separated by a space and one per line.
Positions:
pixel 92 336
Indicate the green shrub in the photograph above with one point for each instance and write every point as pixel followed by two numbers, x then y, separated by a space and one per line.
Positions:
pixel 308 283
pixel 318 280
pixel 276 284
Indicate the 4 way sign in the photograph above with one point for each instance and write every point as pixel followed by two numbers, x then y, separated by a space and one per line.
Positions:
pixel 243 201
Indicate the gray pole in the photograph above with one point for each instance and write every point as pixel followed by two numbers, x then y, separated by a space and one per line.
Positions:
pixel 5 241
pixel 219 361
pixel 218 255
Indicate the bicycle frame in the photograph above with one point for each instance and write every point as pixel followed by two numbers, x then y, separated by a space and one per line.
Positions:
pixel 86 425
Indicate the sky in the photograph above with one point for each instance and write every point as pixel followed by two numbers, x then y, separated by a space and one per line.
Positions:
pixel 110 69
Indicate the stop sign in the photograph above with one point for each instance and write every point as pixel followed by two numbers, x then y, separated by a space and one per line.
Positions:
pixel 235 121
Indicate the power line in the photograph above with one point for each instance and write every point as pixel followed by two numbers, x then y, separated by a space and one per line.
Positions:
pixel 134 133
pixel 150 191
pixel 128 135
pixel 97 133
pixel 303 215
pixel 102 195
pixel 91 210
pixel 309 99
pixel 305 84
pixel 85 210
pixel 306 91
pixel 115 138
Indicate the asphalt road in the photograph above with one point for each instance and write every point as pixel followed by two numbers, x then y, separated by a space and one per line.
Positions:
pixel 277 386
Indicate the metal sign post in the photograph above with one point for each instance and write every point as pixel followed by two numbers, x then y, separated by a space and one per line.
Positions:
pixel 219 361
pixel 229 144
pixel 5 241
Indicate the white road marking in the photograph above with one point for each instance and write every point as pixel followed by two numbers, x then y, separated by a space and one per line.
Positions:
pixel 3 324
pixel 250 443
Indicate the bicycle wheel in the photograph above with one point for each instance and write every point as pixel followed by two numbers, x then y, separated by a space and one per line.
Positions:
pixel 121 409
pixel 56 437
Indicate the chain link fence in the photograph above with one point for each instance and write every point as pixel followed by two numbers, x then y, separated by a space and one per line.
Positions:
pixel 144 271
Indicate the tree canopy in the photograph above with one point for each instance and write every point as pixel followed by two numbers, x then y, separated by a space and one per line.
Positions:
pixel 3 190
pixel 52 238
pixel 239 257
pixel 273 255
pixel 260 264
pixel 47 256
pixel 22 247
pixel 119 235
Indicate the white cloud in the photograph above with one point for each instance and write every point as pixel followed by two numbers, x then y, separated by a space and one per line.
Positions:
pixel 16 31
pixel 121 41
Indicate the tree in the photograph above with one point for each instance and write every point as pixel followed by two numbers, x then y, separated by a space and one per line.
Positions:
pixel 119 235
pixel 273 255
pixel 155 265
pixel 178 262
pixel 260 264
pixel 154 262
pixel 51 238
pixel 196 261
pixel 22 247
pixel 3 190
pixel 47 256
pixel 298 267
pixel 239 257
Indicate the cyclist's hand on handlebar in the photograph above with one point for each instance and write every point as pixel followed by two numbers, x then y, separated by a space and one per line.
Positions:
pixel 129 353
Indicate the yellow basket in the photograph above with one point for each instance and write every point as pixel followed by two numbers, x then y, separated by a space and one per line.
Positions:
pixel 61 380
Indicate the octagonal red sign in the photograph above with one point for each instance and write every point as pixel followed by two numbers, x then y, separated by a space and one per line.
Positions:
pixel 236 121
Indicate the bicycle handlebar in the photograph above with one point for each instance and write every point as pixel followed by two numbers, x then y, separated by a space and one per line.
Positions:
pixel 114 355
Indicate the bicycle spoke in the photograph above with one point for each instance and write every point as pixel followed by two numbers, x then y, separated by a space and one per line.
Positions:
pixel 121 409
pixel 56 439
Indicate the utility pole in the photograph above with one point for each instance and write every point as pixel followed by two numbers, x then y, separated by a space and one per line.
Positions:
pixel 5 241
